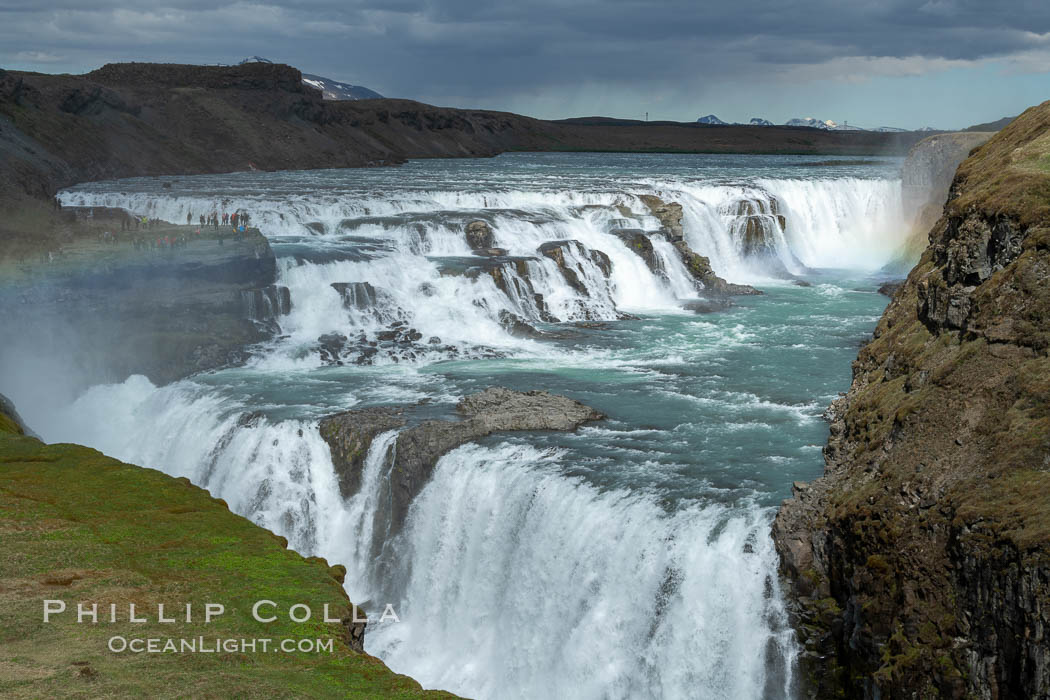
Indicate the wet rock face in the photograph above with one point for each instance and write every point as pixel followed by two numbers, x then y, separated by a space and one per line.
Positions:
pixel 268 304
pixel 358 295
pixel 349 436
pixel 700 268
pixel 419 447
pixel 640 244
pixel 669 214
pixel 165 314
pixel 755 227
pixel 557 250
pixel 513 279
pixel 479 235
pixel 919 564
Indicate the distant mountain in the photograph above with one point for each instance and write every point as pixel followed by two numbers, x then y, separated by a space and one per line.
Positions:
pixel 330 89
pixel 812 123
pixel 830 125
pixel 991 126
pixel 334 90
pixel 756 121
pixel 710 119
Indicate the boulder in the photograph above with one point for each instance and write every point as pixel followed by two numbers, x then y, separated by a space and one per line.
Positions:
pixel 516 326
pixel 710 283
pixel 479 235
pixel 331 346
pixel 890 288
pixel 640 244
pixel 668 213
pixel 555 250
pixel 707 306
pixel 419 447
pixel 357 295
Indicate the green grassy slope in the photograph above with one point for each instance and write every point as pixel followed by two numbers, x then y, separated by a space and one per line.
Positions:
pixel 81 527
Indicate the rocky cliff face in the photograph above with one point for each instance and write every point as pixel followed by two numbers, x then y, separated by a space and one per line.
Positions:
pixel 926 175
pixel 920 561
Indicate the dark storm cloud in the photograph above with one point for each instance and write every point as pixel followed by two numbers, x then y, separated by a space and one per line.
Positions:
pixel 463 50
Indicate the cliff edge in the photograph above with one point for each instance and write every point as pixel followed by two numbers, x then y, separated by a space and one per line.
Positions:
pixel 81 528
pixel 920 562
pixel 926 176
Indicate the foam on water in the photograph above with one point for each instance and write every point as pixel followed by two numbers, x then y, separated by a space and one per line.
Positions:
pixel 649 604
pixel 497 596
pixel 515 576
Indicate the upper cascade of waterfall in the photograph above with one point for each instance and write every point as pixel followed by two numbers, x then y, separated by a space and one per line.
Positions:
pixel 384 273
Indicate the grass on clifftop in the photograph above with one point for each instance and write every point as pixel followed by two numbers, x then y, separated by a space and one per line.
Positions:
pixel 78 526
pixel 1004 178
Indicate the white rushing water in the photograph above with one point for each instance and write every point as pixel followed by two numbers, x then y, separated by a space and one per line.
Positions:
pixel 515 577
pixel 497 597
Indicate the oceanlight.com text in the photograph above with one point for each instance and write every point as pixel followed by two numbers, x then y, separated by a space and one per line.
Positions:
pixel 205 645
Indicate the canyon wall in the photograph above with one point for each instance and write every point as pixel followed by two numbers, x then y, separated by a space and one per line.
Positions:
pixel 920 561
pixel 926 176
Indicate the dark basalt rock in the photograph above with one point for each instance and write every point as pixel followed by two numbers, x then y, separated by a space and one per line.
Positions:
pixel 669 215
pixel 555 250
pixel 419 447
pixel 918 565
pixel 133 307
pixel 517 326
pixel 331 346
pixel 358 295
pixel 267 304
pixel 349 435
pixel 890 288
pixel 707 306
pixel 639 243
pixel 710 283
pixel 479 235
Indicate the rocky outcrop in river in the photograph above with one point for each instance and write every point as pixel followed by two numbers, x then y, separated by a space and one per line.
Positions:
pixel 419 447
pixel 698 266
pixel 920 561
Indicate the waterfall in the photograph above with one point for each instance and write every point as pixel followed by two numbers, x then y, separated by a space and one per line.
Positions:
pixel 629 602
pixel 510 579
pixel 515 576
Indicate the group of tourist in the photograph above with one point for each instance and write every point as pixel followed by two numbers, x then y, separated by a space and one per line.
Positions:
pixel 236 219
pixel 136 223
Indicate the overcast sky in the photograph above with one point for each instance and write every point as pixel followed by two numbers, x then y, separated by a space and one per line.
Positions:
pixel 943 63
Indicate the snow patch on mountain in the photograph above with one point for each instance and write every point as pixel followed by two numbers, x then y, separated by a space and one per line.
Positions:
pixel 330 89
pixel 711 119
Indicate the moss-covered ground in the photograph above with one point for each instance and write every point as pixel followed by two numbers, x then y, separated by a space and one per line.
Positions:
pixel 80 527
